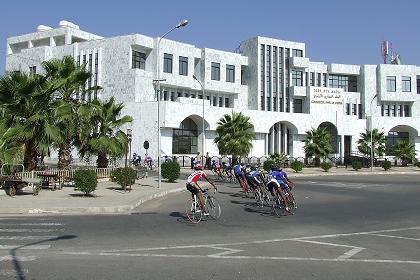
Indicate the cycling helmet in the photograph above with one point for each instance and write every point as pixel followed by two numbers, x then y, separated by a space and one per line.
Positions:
pixel 198 167
pixel 248 170
pixel 276 167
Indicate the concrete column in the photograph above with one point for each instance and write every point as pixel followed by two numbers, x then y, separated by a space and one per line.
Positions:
pixel 272 140
pixel 286 139
pixel 30 44
pixel 342 149
pixel 52 42
pixel 266 144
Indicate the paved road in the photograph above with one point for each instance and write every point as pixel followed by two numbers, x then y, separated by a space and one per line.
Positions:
pixel 365 227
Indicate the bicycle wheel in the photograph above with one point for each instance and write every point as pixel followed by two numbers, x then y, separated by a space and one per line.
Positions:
pixel 193 210
pixel 213 206
pixel 278 205
pixel 258 197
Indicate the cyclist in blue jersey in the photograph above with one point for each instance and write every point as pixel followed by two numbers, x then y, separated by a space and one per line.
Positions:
pixel 238 170
pixel 252 177
pixel 280 183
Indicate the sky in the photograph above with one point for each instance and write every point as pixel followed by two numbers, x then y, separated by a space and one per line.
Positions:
pixel 348 32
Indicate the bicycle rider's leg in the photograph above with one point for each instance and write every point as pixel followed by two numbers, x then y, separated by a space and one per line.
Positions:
pixel 279 190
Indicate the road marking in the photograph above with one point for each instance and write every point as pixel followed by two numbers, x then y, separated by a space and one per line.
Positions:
pixel 399 237
pixel 194 256
pixel 33 224
pixel 227 251
pixel 23 247
pixel 17 258
pixel 13 273
pixel 330 244
pixel 350 253
pixel 29 230
pixel 36 237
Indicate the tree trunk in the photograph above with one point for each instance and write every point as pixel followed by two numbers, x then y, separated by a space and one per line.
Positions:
pixel 30 159
pixel 102 161
pixel 317 162
pixel 64 156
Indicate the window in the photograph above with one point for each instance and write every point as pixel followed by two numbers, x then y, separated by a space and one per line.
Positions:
pixel 227 102
pixel 138 60
pixel 399 110
pixel 318 79
pixel 418 85
pixel 297 78
pixel 32 69
pixel 220 101
pixel 354 109
pixel 297 106
pixel 230 73
pixel 167 63
pixel 347 108
pixel 183 66
pixel 172 96
pixel 406 83
pixel 297 53
pixel 215 71
pixel 185 138
pixel 406 110
pixel 312 80
pixel 338 81
pixel 391 83
pixel 214 101
pixel 165 95
pixel 393 110
pixel 324 79
pixel 386 110
pixel 360 111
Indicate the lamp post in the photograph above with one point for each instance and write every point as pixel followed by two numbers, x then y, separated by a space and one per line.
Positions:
pixel 129 138
pixel 157 89
pixel 204 133
pixel 371 133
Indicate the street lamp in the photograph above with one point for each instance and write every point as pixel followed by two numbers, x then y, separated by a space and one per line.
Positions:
pixel 157 89
pixel 129 137
pixel 204 135
pixel 371 133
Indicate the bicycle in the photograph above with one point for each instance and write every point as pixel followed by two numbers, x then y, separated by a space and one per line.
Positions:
pixel 279 205
pixel 194 211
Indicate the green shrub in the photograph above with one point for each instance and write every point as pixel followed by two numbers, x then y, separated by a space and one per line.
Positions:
pixel 356 165
pixel 386 165
pixel 85 180
pixel 125 176
pixel 171 171
pixel 326 166
pixel 268 164
pixel 297 165
pixel 417 164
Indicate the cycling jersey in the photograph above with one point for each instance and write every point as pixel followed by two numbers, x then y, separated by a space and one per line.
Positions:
pixel 195 176
pixel 278 175
pixel 237 169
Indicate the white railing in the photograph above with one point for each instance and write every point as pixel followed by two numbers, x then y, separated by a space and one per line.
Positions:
pixel 65 173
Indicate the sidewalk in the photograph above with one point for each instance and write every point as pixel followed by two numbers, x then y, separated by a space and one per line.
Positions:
pixel 110 199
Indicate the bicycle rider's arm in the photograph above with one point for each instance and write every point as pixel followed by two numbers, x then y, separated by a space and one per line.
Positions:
pixel 210 181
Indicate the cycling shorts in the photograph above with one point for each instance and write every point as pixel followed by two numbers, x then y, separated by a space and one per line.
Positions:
pixel 273 183
pixel 193 188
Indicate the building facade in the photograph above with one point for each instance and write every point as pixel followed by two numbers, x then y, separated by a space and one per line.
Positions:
pixel 270 80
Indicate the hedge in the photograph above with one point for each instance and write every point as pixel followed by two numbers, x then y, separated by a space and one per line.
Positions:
pixel 171 171
pixel 85 180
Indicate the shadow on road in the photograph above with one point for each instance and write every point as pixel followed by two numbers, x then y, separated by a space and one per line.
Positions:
pixel 20 274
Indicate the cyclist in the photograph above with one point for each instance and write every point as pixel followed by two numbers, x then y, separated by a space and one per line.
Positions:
pixel 278 182
pixel 252 177
pixel 149 161
pixel 136 160
pixel 194 188
pixel 216 168
pixel 227 169
pixel 240 176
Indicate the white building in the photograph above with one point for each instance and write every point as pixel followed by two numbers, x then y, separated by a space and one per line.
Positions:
pixel 271 81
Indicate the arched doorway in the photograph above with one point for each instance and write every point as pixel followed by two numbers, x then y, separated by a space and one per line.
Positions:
pixel 332 130
pixel 401 133
pixel 280 138
pixel 185 138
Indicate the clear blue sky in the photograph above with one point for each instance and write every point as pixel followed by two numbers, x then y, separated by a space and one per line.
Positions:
pixel 334 31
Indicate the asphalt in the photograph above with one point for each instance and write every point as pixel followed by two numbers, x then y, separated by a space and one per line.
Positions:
pixel 109 198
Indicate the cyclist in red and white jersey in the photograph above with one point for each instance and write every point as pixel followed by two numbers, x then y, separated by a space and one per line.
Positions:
pixel 192 183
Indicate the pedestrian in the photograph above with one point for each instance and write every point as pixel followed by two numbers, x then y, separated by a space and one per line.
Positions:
pixel 208 161
pixel 192 162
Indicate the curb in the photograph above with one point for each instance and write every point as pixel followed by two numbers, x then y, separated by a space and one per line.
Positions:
pixel 355 173
pixel 124 209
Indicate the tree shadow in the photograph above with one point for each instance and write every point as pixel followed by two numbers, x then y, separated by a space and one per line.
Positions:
pixel 20 273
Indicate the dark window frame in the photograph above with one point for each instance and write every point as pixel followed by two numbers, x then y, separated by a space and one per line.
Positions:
pixel 183 66
pixel 167 63
pixel 230 73
pixel 215 71
pixel 138 60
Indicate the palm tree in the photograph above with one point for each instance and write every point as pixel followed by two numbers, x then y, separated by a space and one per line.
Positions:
pixel 72 80
pixel 235 135
pixel 318 144
pixel 378 141
pixel 100 131
pixel 405 151
pixel 27 108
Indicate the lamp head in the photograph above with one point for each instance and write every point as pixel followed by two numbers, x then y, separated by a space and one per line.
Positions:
pixel 182 23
